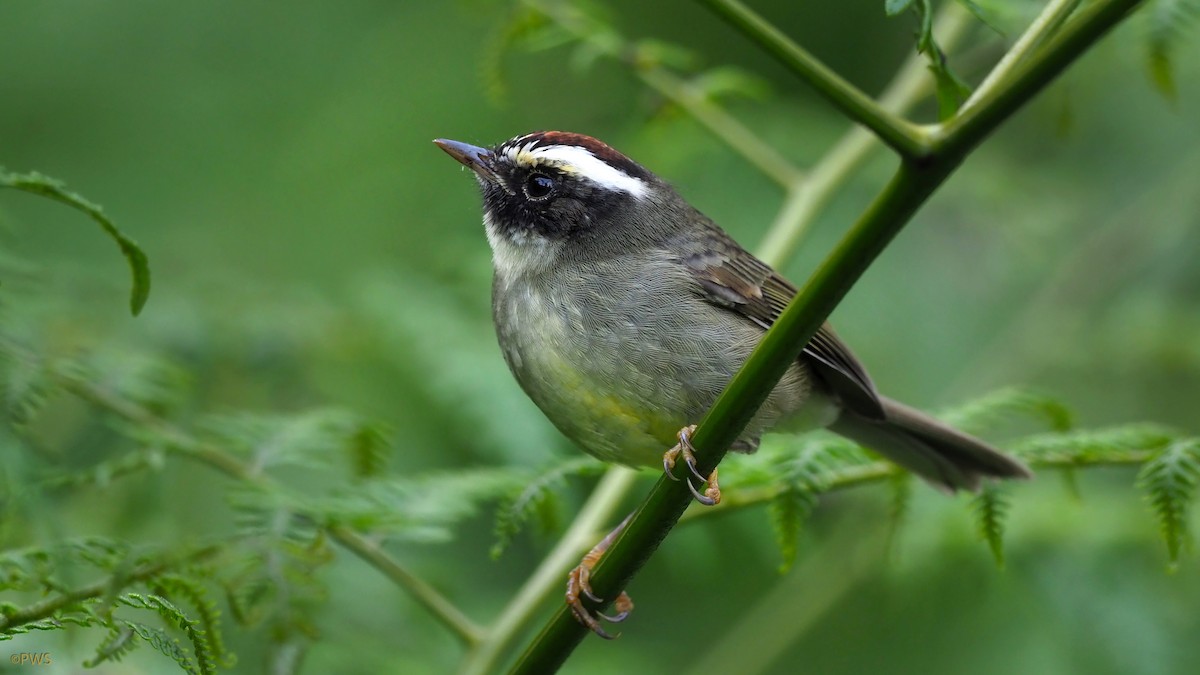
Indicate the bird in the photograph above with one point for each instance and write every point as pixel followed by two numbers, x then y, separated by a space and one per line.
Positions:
pixel 623 311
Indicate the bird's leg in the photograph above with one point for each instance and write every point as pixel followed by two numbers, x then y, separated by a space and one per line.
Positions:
pixel 712 491
pixel 578 584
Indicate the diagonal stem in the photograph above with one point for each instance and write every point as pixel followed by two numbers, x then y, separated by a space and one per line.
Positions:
pixel 905 138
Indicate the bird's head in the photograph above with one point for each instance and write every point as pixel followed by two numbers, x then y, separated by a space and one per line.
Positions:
pixel 551 194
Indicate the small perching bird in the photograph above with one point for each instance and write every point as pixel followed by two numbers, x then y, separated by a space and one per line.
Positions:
pixel 623 312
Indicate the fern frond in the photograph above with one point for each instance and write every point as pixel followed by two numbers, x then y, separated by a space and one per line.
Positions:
pixel 311 438
pixel 208 616
pixel 24 384
pixel 1122 444
pixel 116 646
pixel 990 507
pixel 368 448
pixel 420 508
pixel 537 497
pixel 900 503
pixel 789 511
pixel 1169 480
pixel 1167 25
pixel 55 190
pixel 205 663
pixel 986 413
pixel 166 645
pixel 151 382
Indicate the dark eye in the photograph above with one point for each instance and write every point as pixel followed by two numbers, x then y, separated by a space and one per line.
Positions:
pixel 539 186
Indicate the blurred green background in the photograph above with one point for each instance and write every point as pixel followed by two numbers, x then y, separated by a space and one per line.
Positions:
pixel 310 247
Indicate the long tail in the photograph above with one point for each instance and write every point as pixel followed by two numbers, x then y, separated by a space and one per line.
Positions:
pixel 940 454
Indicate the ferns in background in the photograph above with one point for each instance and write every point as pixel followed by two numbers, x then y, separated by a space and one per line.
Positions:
pixel 297 485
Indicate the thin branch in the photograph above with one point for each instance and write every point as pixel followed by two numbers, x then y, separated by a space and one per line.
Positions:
pixel 549 575
pixel 965 130
pixel 713 117
pixel 50 606
pixel 907 139
pixel 876 472
pixel 185 444
pixel 371 553
pixel 806 198
pixel 1052 17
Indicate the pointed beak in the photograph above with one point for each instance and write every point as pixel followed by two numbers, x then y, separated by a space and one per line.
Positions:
pixel 474 158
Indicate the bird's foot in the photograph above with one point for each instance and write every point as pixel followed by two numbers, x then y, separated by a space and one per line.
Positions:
pixel 712 491
pixel 579 586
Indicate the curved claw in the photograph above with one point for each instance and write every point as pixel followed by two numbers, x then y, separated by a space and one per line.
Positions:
pixel 623 605
pixel 690 460
pixel 579 586
pixel 669 466
pixel 699 496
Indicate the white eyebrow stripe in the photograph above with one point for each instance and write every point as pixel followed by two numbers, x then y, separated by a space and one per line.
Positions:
pixel 580 161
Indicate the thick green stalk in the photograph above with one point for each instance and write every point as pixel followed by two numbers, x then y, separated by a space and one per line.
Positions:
pixel 902 136
pixel 913 183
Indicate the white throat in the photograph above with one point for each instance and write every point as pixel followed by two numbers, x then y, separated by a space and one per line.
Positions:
pixel 518 254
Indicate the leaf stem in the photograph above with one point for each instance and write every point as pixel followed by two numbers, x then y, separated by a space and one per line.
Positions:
pixel 961 133
pixel 902 136
pixel 551 573
pixel 1047 23
pixel 187 445
pixel 437 604
pixel 807 197
pixel 139 265
pixel 48 607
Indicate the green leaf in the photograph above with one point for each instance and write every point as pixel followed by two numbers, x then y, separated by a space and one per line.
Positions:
pixel 1124 443
pixel 984 414
pixel 50 188
pixel 725 82
pixel 538 498
pixel 990 507
pixel 1170 480
pixel 951 91
pixel 655 53
pixel 789 511
pixel 901 484
pixel 1169 22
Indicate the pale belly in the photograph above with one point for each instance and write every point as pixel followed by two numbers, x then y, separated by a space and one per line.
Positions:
pixel 622 381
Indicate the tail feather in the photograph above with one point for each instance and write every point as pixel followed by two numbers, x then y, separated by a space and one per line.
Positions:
pixel 938 453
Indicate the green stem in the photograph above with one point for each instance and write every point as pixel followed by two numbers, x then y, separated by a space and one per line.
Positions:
pixel 905 138
pixel 806 198
pixel 849 477
pixel 1052 17
pixel 964 131
pixel 185 444
pixel 371 553
pixel 724 126
pixel 552 571
pixel 913 183
pixel 49 607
